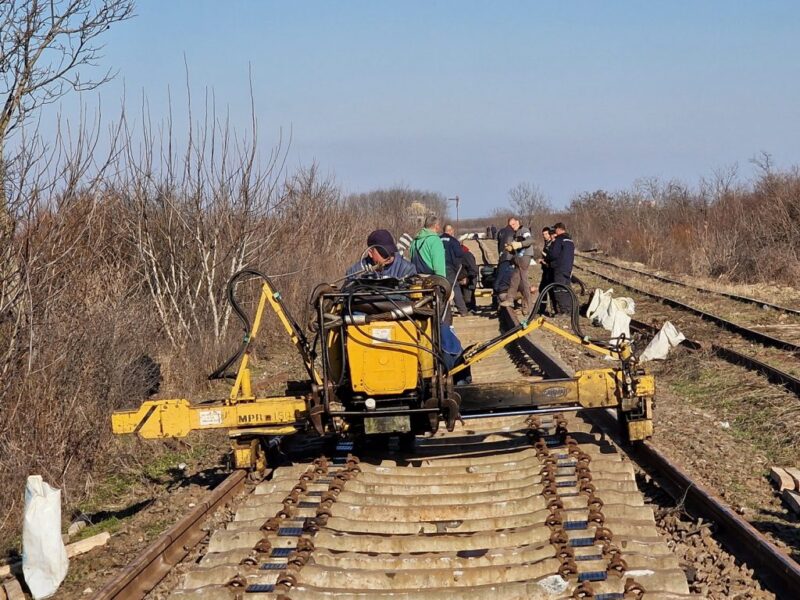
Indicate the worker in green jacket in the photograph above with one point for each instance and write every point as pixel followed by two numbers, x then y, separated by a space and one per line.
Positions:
pixel 427 251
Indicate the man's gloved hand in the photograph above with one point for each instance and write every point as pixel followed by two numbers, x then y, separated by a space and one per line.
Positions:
pixel 509 248
pixel 516 245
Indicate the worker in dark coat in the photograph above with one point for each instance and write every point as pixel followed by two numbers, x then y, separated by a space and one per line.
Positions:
pixel 454 264
pixel 505 264
pixel 470 278
pixel 548 235
pixel 382 259
pixel 560 258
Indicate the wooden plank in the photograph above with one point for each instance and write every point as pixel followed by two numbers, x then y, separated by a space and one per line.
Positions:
pixel 781 479
pixel 794 473
pixel 74 549
pixel 89 543
pixel 11 567
pixel 792 500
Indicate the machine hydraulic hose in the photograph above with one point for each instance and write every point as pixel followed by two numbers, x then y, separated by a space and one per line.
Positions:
pixel 301 341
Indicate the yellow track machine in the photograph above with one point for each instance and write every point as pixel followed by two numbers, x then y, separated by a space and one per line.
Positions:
pixel 381 362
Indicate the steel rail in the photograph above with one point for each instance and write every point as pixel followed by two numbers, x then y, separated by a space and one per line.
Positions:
pixel 745 332
pixel 142 575
pixel 777 570
pixel 737 297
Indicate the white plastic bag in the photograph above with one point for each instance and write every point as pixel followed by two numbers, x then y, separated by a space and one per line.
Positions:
pixel 598 306
pixel 612 314
pixel 658 348
pixel 44 558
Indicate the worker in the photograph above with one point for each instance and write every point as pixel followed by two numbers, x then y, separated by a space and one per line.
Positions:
pixel 382 259
pixel 469 280
pixel 493 231
pixel 522 249
pixel 427 251
pixel 454 266
pixel 560 258
pixel 505 265
pixel 548 234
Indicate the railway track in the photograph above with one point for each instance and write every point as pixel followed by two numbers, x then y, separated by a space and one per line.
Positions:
pixel 511 507
pixel 746 331
pixel 736 297
pixel 776 361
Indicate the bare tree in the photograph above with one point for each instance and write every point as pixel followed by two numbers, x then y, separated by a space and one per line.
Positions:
pixel 530 203
pixel 45 46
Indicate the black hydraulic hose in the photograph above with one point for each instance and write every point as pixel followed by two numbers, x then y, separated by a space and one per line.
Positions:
pixel 222 372
pixel 574 316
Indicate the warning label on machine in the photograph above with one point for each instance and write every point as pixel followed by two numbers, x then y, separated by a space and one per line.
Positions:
pixel 209 418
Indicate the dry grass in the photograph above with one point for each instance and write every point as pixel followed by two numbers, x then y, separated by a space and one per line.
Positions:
pixel 766 416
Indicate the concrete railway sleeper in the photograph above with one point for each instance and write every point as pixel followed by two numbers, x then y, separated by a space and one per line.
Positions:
pixel 559 517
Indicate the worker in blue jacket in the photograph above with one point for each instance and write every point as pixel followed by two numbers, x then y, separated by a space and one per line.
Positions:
pixel 382 259
pixel 454 264
pixel 560 258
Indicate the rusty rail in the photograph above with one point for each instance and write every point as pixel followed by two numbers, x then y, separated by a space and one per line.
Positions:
pixel 736 297
pixel 773 374
pixel 745 332
pixel 777 570
pixel 144 573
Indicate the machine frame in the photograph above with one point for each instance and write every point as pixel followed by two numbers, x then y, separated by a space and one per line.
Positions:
pixel 314 404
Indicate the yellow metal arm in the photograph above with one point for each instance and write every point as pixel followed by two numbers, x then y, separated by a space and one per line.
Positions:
pixel 178 417
pixel 242 389
pixel 274 299
pixel 481 352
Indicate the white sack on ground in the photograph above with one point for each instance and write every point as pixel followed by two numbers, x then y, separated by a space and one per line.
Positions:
pixel 612 314
pixel 44 558
pixel 658 348
pixel 598 305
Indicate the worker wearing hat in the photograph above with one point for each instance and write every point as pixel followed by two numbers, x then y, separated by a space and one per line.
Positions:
pixel 381 259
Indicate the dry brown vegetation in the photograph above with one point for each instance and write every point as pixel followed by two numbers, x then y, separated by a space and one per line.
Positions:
pixel 118 255
pixel 744 231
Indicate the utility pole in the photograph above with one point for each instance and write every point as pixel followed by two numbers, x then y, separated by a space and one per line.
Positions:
pixel 457 200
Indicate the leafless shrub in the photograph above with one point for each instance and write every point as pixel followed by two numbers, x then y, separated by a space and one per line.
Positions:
pixel 123 257
pixel 745 232
pixel 397 209
pixel 529 203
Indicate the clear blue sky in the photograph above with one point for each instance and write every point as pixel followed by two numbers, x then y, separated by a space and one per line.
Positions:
pixel 470 98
